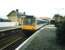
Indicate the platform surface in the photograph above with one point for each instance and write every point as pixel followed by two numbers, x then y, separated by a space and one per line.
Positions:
pixel 44 39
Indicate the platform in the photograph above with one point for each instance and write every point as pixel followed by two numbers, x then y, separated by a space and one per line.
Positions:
pixel 40 26
pixel 43 39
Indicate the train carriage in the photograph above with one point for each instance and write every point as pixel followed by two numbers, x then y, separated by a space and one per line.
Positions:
pixel 28 22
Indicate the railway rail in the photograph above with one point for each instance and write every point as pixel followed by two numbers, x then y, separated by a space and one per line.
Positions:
pixel 10 37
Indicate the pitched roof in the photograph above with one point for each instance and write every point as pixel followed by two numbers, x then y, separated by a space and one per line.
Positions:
pixel 11 12
pixel 19 14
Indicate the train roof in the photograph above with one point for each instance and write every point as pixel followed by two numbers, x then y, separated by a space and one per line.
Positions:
pixel 29 16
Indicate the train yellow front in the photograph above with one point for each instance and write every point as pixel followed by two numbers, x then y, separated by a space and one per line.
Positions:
pixel 28 22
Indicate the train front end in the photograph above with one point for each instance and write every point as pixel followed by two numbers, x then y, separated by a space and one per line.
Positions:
pixel 29 23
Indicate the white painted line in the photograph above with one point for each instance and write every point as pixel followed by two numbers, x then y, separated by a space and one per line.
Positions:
pixel 28 40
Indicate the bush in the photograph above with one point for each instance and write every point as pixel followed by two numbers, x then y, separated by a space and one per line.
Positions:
pixel 60 33
pixel 52 21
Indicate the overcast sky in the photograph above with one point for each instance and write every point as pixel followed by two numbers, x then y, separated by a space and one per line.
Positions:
pixel 37 8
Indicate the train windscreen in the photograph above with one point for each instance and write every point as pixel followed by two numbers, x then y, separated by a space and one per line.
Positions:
pixel 28 22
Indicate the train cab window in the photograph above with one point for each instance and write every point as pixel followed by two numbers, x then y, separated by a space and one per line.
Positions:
pixel 27 22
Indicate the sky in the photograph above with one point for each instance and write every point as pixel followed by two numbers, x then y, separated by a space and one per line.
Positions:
pixel 38 8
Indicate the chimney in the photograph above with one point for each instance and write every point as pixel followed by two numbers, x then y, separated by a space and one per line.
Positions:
pixel 16 10
pixel 24 13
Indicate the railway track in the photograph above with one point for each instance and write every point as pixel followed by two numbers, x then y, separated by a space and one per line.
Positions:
pixel 16 43
pixel 10 39
pixel 13 38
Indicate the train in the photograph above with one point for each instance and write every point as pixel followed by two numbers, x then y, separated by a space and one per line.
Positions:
pixel 30 22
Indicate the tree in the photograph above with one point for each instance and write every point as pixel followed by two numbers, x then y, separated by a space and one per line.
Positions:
pixel 52 21
pixel 60 34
